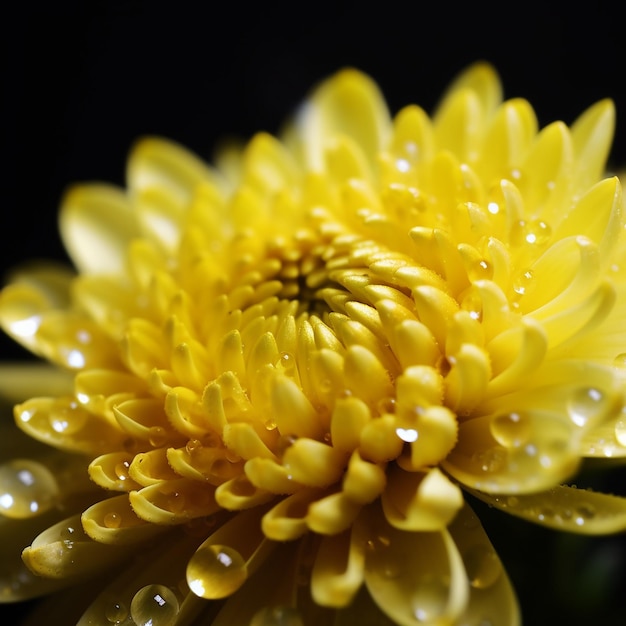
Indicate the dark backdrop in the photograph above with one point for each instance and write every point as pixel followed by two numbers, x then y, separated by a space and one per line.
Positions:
pixel 80 83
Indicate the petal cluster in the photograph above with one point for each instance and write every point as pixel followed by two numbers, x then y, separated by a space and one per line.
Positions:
pixel 297 360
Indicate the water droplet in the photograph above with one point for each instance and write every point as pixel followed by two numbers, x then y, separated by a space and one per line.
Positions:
pixel 112 520
pixel 483 566
pixel 473 304
pixel 521 284
pixel 493 208
pixel 216 571
pixel 492 459
pixel 277 616
pixel 154 605
pixel 430 598
pixel 66 420
pixel 286 363
pixel 583 513
pixel 511 429
pixel 586 403
pixel 157 436
pixel 512 502
pixel 27 488
pixel 174 501
pixel 537 233
pixel 115 612
pixel 193 445
pixel 544 513
pixel 121 470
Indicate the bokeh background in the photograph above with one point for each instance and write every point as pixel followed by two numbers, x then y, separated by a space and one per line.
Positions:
pixel 80 82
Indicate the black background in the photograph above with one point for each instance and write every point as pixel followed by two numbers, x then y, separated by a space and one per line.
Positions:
pixel 80 82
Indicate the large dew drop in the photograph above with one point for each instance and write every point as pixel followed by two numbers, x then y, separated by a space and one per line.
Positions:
pixel 587 403
pixel 511 429
pixel 27 488
pixel 154 605
pixel 216 571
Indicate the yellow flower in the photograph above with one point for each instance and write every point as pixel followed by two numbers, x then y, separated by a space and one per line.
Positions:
pixel 281 373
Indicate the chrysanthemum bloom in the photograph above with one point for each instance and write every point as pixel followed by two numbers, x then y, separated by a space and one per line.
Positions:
pixel 274 379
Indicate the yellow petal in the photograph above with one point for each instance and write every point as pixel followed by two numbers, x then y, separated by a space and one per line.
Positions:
pixel 592 133
pixel 112 521
pixel 173 502
pixel 420 501
pixel 416 576
pixel 65 551
pixel 565 508
pixel 339 567
pixel 491 596
pixel 159 163
pixel 97 224
pixel 348 104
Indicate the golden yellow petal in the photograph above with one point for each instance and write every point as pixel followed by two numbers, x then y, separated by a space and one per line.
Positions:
pixel 174 502
pixel 592 133
pixel 420 501
pixel 287 520
pixel 113 522
pixel 416 576
pixel 348 104
pixel 338 571
pixel 332 514
pixel 110 471
pixel 97 224
pixel 482 79
pixel 363 481
pixel 239 493
pixel 65 551
pixel 159 163
pixel 313 463
pixel 63 423
pixel 491 595
pixel 565 508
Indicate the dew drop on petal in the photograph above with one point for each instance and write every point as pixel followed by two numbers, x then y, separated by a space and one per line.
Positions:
pixel 491 460
pixel 112 520
pixel 216 571
pixel 429 598
pixel 27 488
pixel 583 513
pixel 586 403
pixel 64 420
pixel 154 605
pixel 157 436
pixel 121 470
pixel 522 283
pixel 511 429
pixel 473 304
pixel 483 566
pixel 277 616
pixel 115 612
